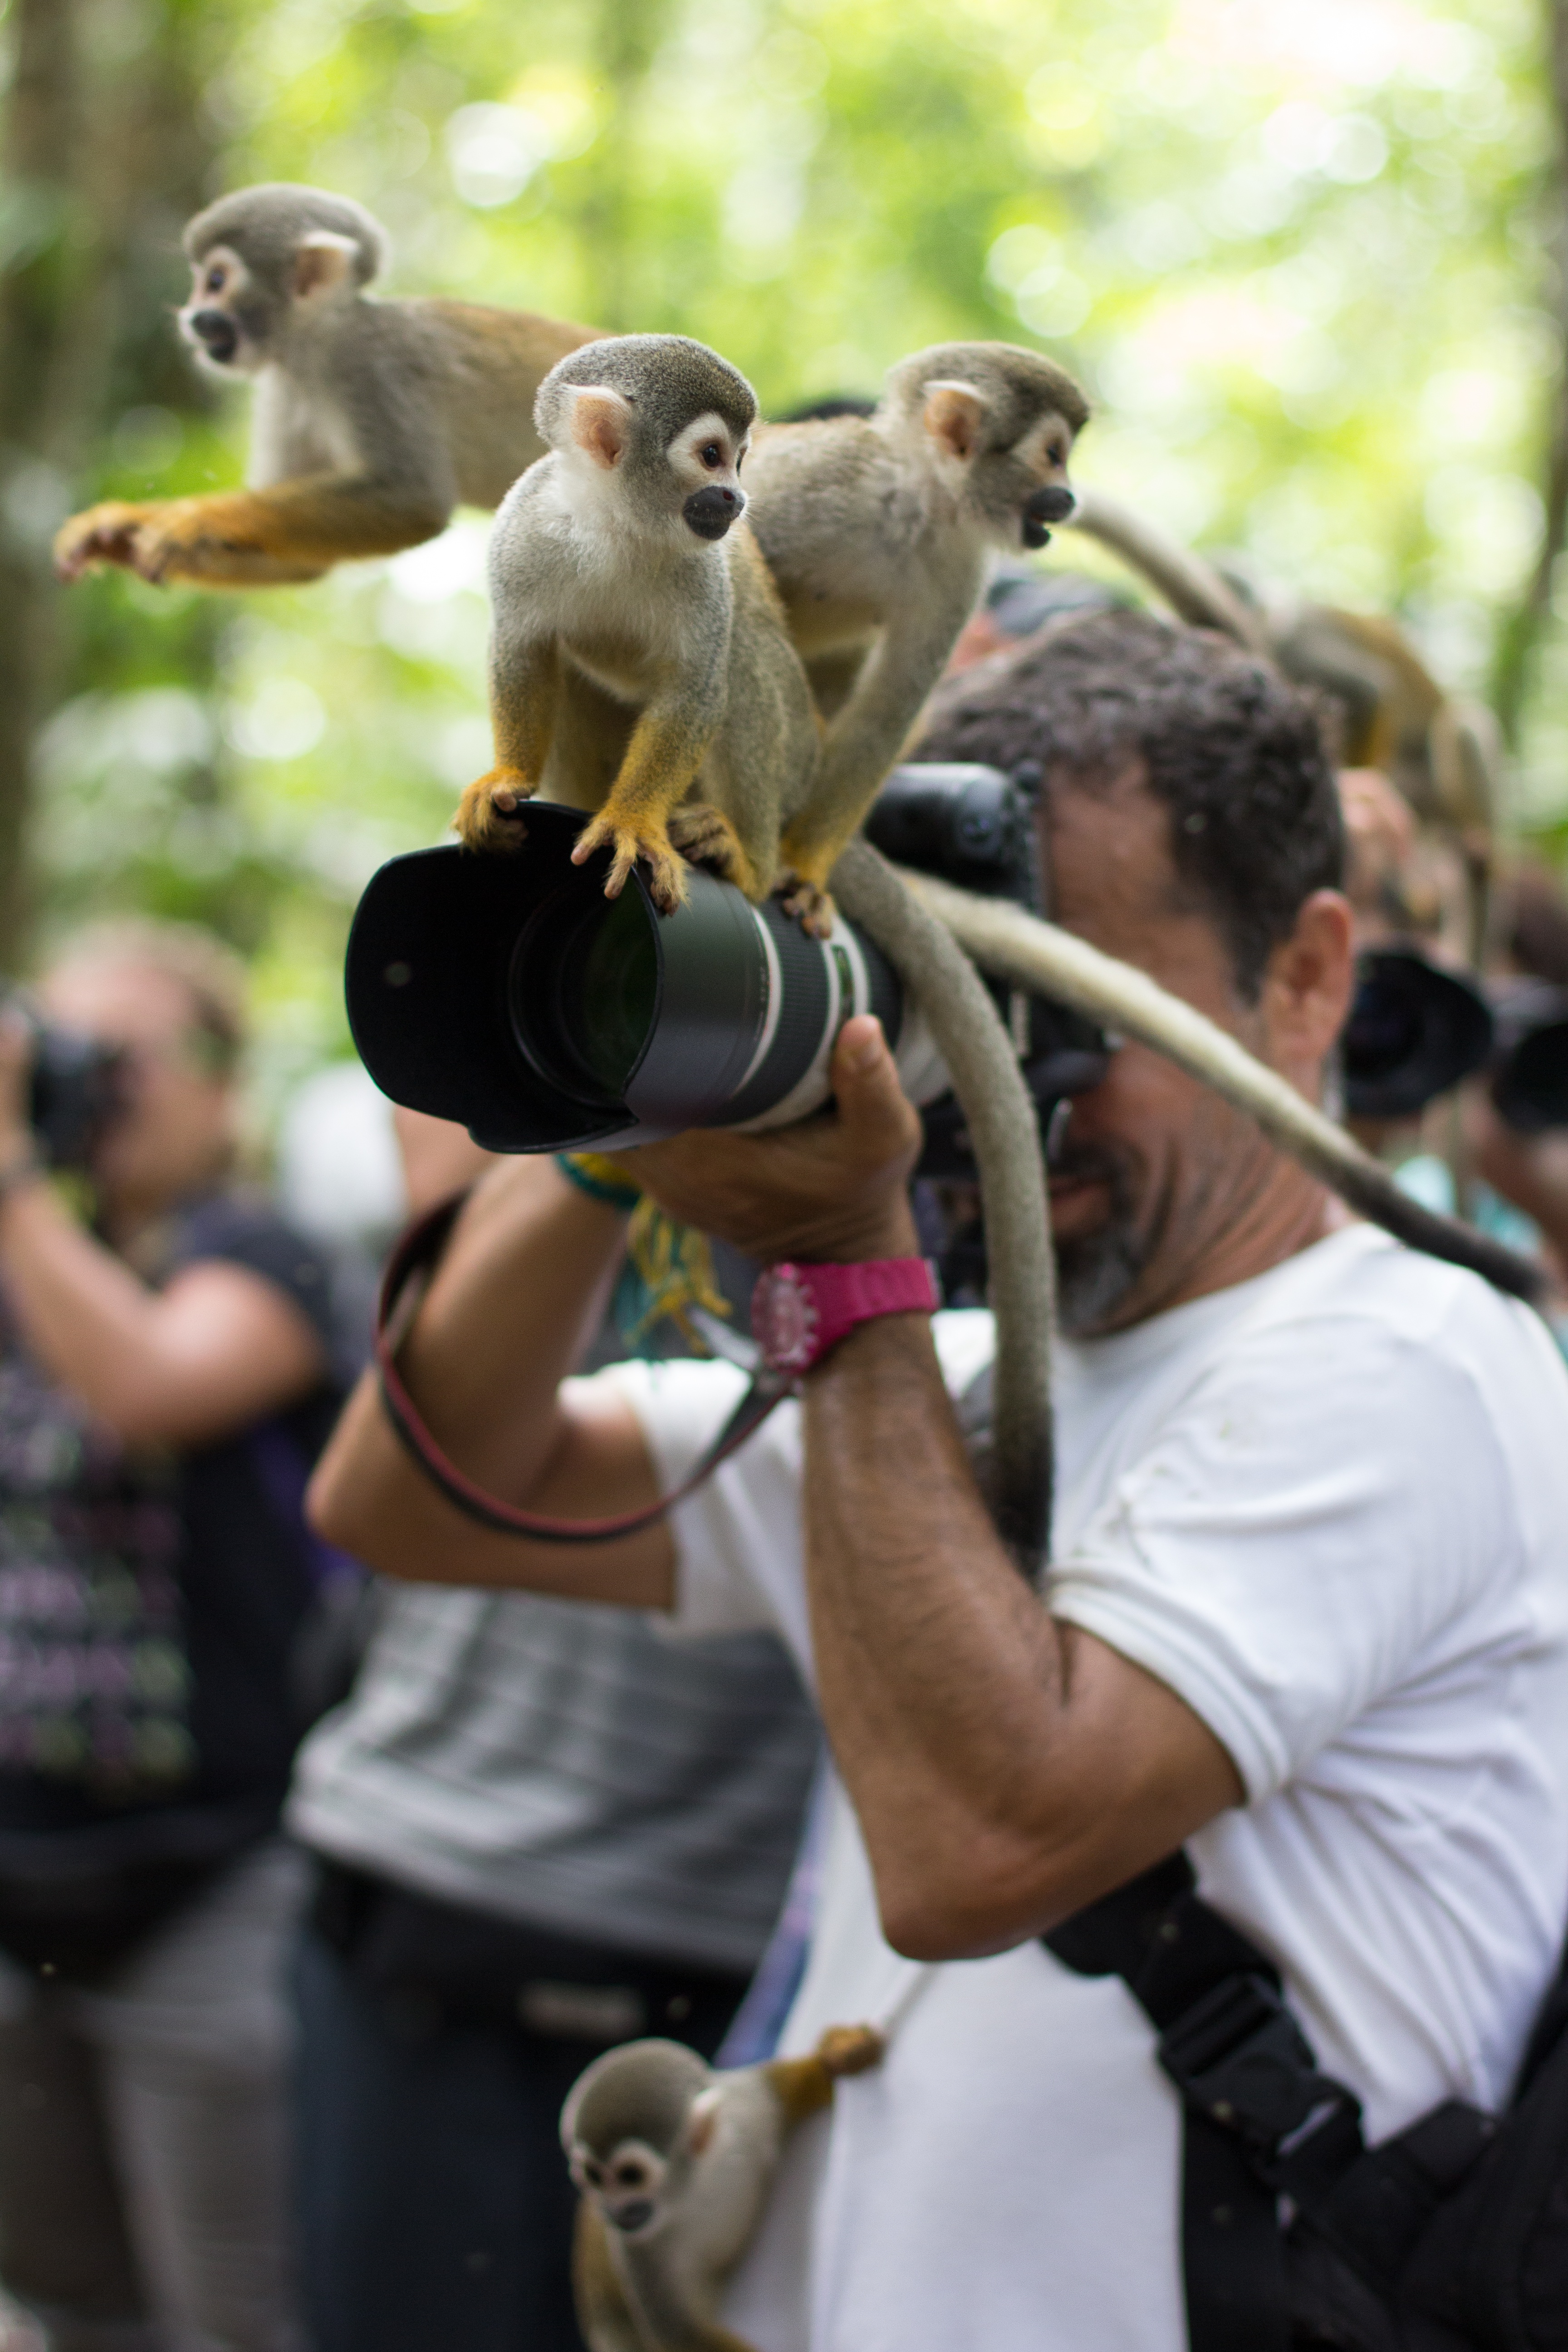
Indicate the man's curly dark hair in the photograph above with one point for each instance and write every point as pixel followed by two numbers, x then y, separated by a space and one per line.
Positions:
pixel 1235 751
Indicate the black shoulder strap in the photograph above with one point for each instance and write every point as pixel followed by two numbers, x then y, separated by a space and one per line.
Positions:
pixel 1261 2122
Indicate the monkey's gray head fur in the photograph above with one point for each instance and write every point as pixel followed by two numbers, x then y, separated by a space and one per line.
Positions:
pixel 258 253
pixel 1008 416
pixel 673 422
pixel 643 2090
pixel 625 2129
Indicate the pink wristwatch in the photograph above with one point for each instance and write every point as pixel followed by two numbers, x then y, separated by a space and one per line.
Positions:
pixel 798 1312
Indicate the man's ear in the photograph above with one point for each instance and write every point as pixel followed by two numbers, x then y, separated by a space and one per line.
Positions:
pixel 1310 982
pixel 600 423
pixel 953 415
pixel 322 260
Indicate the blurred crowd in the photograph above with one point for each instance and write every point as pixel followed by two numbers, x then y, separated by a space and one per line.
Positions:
pixel 316 1894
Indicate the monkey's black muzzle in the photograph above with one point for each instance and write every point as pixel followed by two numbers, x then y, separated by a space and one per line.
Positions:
pixel 630 2216
pixel 709 512
pixel 217 333
pixel 1054 503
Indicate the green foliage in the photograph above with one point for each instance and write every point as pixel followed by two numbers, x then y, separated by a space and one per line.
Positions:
pixel 1296 252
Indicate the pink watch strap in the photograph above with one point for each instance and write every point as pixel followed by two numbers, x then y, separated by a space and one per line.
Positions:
pixel 799 1312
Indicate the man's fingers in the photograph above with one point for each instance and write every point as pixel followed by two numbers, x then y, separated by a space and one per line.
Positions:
pixel 871 1101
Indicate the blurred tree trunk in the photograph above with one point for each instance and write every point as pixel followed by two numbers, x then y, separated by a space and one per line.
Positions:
pixel 629 33
pixel 1519 638
pixel 45 277
pixel 104 158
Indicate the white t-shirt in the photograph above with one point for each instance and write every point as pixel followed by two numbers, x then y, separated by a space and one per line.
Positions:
pixel 1329 1509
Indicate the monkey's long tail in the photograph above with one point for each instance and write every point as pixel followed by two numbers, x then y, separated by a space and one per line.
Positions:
pixel 1195 591
pixel 1006 939
pixel 1004 1132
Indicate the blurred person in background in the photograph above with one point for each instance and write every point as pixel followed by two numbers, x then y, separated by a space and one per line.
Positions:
pixel 540 1830
pixel 163 1390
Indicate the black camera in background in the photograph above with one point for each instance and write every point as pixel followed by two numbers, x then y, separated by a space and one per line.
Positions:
pixel 75 1084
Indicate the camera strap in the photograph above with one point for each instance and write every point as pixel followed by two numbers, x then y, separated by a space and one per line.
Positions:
pixel 415 1255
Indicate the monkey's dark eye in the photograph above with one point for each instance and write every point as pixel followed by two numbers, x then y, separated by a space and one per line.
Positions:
pixel 592 2173
pixel 712 455
pixel 214 280
pixel 629 2176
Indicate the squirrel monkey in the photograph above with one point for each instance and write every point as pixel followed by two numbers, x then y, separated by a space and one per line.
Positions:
pixel 639 657
pixel 373 418
pixel 674 2163
pixel 878 529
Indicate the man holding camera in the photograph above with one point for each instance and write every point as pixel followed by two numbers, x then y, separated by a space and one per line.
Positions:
pixel 1308 1611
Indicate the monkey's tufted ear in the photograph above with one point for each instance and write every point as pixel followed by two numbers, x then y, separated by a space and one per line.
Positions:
pixel 322 260
pixel 600 423
pixel 701 2122
pixel 953 415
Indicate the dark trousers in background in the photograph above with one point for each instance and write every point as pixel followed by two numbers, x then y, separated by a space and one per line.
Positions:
pixel 436 2211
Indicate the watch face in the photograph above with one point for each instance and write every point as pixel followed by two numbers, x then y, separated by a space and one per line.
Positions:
pixel 785 1319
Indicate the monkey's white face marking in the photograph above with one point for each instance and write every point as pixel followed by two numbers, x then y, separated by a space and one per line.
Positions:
pixel 707 451
pixel 209 322
pixel 705 458
pixel 1046 448
pixel 625 2184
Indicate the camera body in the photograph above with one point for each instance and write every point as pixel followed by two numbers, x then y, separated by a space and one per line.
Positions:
pixel 75 1086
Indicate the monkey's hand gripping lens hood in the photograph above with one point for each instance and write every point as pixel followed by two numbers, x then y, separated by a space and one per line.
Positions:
pixel 509 994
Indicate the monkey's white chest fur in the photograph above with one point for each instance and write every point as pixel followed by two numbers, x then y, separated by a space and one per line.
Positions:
pixel 700 2234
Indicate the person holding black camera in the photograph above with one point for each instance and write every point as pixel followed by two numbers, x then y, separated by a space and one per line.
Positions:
pixel 164 1390
pixel 1248 1831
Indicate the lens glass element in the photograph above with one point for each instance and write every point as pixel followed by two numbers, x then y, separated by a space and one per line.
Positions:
pixel 585 989
pixel 608 990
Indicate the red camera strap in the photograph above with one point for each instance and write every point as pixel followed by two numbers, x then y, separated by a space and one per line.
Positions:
pixel 416 1250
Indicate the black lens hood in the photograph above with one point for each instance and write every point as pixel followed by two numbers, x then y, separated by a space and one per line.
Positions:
pixel 460 975
pixel 1414 1031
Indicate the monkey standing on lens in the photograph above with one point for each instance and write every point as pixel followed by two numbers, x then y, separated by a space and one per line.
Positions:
pixel 373 418
pixel 638 651
pixel 879 530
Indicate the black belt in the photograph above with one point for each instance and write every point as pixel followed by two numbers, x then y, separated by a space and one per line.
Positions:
pixel 439 1962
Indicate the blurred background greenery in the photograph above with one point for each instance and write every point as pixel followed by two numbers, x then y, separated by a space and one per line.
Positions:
pixel 1306 256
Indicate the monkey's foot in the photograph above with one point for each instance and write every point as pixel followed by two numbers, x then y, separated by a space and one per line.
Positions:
pixel 628 843
pixel 705 836
pixel 811 906
pixel 490 815
pixel 850 2049
pixel 103 534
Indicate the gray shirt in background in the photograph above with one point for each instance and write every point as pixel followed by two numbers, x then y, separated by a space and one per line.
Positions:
pixel 568 1768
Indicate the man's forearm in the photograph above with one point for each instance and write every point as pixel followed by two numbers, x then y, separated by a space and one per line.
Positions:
pixel 518 1293
pixel 1005 1767
pixel 520 1290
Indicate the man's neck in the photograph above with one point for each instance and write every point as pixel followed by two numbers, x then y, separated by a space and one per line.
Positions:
pixel 1284 1216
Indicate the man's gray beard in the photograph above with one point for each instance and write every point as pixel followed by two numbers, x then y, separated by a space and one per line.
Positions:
pixel 1094 1275
pixel 1095 1272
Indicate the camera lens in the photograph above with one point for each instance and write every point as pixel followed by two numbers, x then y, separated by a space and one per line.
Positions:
pixel 607 994
pixel 584 991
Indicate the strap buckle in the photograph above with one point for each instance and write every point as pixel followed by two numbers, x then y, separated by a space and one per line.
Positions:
pixel 1239 2057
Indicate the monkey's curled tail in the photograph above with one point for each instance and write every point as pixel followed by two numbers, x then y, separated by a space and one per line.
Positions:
pixel 1004 1132
pixel 1006 939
